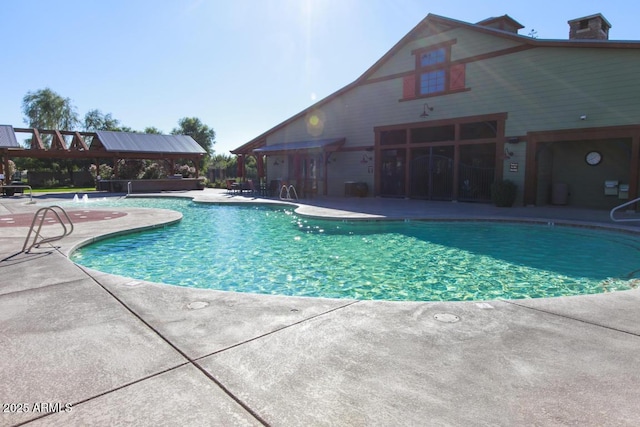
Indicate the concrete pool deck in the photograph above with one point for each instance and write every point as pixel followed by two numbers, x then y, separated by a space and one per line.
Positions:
pixel 98 349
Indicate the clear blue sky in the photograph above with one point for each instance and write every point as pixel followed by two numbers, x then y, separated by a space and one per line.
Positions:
pixel 240 66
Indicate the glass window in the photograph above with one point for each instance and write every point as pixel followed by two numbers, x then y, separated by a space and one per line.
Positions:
pixel 432 57
pixel 479 130
pixel 393 137
pixel 433 134
pixel 432 82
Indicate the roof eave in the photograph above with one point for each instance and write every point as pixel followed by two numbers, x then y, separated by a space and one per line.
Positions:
pixel 432 19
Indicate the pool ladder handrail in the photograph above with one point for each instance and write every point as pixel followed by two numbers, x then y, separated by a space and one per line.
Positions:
pixel 288 191
pixel 613 211
pixel 41 214
pixel 24 187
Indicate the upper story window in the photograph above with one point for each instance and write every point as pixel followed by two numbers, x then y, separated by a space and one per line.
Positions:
pixel 432 82
pixel 432 66
pixel 436 56
pixel 434 73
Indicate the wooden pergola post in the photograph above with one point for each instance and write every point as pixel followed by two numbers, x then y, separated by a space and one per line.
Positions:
pixel 4 167
pixel 260 166
pixel 115 167
pixel 240 166
pixel 196 163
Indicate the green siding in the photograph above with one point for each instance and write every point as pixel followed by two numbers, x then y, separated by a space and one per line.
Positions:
pixel 541 89
pixel 549 88
pixel 586 183
pixel 469 44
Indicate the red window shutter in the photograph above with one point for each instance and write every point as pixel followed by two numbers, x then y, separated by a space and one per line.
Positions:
pixel 457 77
pixel 409 87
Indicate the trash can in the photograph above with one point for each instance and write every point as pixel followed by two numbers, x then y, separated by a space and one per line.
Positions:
pixel 19 189
pixel 559 193
pixel 349 188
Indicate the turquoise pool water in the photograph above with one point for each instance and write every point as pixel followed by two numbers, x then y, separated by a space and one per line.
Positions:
pixel 274 251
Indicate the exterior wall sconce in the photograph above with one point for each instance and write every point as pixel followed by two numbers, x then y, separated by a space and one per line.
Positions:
pixel 365 159
pixel 425 107
pixel 583 117
pixel 330 159
pixel 276 162
pixel 511 140
pixel 507 153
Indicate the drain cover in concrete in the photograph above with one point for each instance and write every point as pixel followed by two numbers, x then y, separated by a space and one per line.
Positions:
pixel 196 305
pixel 446 317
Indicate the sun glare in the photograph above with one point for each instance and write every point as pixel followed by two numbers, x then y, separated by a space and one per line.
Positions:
pixel 315 122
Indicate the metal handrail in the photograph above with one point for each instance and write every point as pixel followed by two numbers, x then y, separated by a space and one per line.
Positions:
pixel 21 186
pixel 288 192
pixel 611 214
pixel 38 215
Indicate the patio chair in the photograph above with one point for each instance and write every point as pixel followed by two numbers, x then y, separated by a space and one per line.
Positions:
pixel 231 187
pixel 252 188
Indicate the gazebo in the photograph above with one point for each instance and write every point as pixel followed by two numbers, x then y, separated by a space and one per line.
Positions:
pixel 102 145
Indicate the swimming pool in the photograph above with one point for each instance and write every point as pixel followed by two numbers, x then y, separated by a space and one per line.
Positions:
pixel 274 251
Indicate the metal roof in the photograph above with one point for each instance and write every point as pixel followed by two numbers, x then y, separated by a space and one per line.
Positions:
pixel 8 137
pixel 300 145
pixel 148 143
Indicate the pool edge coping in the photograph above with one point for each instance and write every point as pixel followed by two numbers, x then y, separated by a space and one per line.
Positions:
pixel 561 222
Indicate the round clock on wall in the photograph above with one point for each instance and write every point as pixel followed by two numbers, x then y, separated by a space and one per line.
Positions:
pixel 593 158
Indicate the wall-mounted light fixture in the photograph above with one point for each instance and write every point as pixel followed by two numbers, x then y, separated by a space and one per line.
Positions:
pixel 365 159
pixel 425 107
pixel 276 162
pixel 583 117
pixel 507 153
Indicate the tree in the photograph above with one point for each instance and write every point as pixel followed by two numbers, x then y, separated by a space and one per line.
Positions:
pixel 201 133
pixel 221 168
pixel 152 130
pixel 45 109
pixel 94 120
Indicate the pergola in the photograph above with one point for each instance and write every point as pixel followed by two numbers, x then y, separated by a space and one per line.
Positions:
pixel 103 145
pixel 296 149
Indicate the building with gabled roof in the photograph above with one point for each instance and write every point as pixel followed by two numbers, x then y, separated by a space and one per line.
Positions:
pixel 102 145
pixel 455 106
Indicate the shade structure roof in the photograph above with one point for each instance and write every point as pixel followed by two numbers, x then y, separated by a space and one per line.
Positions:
pixel 147 143
pixel 315 144
pixel 8 137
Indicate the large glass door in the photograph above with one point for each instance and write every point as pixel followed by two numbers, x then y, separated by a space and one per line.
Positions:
pixel 312 175
pixel 392 172
pixel 432 173
pixel 476 172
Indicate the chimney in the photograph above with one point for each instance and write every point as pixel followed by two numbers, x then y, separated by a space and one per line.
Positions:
pixel 593 27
